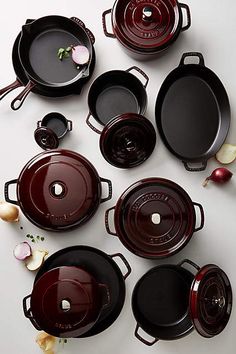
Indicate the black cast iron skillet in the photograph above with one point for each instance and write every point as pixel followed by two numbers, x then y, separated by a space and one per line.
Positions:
pixel 37 53
pixel 193 113
pixel 103 268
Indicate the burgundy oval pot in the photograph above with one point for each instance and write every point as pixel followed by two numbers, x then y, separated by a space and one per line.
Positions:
pixel 169 301
pixel 146 28
pixel 58 190
pixel 154 218
pixel 66 302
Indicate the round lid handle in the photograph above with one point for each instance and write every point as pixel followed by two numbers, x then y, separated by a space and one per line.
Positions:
pixel 147 13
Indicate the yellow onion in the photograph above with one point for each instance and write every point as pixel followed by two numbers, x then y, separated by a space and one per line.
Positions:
pixel 9 212
pixel 46 342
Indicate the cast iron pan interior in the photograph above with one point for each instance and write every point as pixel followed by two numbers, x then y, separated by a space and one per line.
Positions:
pixel 160 302
pixel 193 112
pixel 115 93
pixel 39 45
pixel 57 123
pixel 103 269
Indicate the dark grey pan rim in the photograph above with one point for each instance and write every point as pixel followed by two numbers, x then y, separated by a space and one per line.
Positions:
pixel 222 99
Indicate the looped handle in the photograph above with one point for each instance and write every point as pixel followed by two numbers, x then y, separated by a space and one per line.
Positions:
pixel 107 34
pixel 107 222
pixel 140 71
pixel 202 217
pixel 19 100
pixel 107 294
pixel 195 169
pixel 70 125
pixel 144 341
pixel 192 54
pixel 39 123
pixel 89 124
pixel 104 180
pixel 6 191
pixel 4 91
pixel 28 313
pixel 124 260
pixel 186 8
pixel 194 265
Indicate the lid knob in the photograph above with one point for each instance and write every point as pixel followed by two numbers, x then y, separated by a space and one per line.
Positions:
pixel 147 13
pixel 220 302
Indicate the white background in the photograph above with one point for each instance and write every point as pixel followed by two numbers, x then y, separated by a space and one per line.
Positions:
pixel 212 33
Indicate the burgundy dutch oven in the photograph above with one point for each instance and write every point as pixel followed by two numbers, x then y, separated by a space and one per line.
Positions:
pixel 66 302
pixel 168 302
pixel 58 190
pixel 154 218
pixel 78 292
pixel 147 27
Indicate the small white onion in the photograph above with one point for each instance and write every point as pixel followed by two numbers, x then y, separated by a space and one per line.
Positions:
pixel 9 212
pixel 80 55
pixel 22 251
pixel 36 260
pixel 227 154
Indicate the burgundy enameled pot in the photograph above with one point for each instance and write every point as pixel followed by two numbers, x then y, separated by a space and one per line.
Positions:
pixel 169 301
pixel 58 190
pixel 146 27
pixel 66 302
pixel 154 218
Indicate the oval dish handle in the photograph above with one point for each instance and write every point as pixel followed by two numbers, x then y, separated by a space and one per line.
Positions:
pixel 192 54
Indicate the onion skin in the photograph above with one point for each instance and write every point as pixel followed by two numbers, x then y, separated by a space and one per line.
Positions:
pixel 220 176
pixel 9 212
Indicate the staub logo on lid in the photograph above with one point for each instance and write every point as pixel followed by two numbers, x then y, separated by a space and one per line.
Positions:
pixel 147 197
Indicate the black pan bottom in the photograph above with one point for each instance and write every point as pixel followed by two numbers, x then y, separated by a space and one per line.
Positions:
pixel 114 101
pixel 104 270
pixel 161 302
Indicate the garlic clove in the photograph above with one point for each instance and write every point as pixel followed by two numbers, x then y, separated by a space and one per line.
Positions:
pixel 36 260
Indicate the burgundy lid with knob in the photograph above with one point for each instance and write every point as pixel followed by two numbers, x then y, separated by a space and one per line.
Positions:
pixel 67 301
pixel 46 138
pixel 210 301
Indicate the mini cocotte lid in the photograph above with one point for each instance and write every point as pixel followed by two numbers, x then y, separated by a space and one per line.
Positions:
pixel 210 301
pixel 46 138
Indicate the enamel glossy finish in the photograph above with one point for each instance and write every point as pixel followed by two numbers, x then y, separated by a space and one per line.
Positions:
pixel 46 138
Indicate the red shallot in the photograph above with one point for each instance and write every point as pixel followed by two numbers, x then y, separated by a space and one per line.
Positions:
pixel 220 175
pixel 22 251
pixel 80 54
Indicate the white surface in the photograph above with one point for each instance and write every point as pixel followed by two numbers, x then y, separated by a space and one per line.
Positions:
pixel 212 33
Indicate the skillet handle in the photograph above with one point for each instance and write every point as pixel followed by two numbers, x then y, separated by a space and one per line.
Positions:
pixel 19 100
pixel 186 8
pixel 104 180
pixel 194 265
pixel 28 313
pixel 107 222
pixel 124 260
pixel 144 341
pixel 107 34
pixel 192 54
pixel 202 217
pixel 89 124
pixel 195 169
pixel 4 91
pixel 6 191
pixel 81 23
pixel 140 72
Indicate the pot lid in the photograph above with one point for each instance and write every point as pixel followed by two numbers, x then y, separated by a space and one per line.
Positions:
pixel 210 301
pixel 146 25
pixel 46 138
pixel 58 190
pixel 154 218
pixel 66 301
pixel 128 140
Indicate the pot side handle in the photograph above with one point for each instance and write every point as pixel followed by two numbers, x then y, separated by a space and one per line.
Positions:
pixel 6 191
pixel 89 124
pixel 107 34
pixel 19 100
pixel 107 222
pixel 70 125
pixel 202 217
pixel 104 180
pixel 186 8
pixel 192 54
pixel 195 169
pixel 144 341
pixel 124 260
pixel 4 91
pixel 28 313
pixel 194 265
pixel 140 72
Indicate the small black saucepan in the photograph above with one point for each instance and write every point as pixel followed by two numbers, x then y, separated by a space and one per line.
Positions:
pixel 169 301
pixel 115 93
pixel 193 113
pixel 53 127
pixel 37 50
